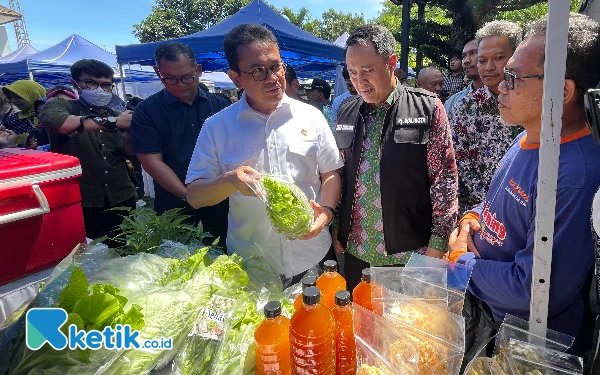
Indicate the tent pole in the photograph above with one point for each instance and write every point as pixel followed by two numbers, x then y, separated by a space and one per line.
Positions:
pixel 30 76
pixel 123 95
pixel 554 73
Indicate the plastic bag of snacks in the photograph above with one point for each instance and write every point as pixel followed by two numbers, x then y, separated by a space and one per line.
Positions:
pixel 484 366
pixel 370 362
pixel 527 359
pixel 288 207
pixel 437 334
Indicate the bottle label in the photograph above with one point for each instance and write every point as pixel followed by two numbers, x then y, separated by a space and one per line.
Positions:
pixel 210 322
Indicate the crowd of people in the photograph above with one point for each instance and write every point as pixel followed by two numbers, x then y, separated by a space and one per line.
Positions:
pixel 448 168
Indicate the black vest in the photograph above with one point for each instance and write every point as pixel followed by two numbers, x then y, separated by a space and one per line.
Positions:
pixel 404 177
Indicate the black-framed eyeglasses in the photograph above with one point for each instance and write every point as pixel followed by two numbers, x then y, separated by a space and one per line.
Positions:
pixel 93 85
pixel 509 78
pixel 187 80
pixel 260 74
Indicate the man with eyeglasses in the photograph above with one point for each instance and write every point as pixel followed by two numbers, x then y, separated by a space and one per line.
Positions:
pixel 164 130
pixel 99 136
pixel 480 135
pixel 502 227
pixel 266 132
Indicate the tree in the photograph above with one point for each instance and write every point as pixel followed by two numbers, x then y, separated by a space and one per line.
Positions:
pixel 177 18
pixel 332 24
pixel 299 18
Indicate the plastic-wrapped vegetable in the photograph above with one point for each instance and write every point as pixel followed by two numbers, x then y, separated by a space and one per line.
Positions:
pixel 288 207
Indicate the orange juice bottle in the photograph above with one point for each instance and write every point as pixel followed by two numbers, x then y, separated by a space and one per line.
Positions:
pixel 345 346
pixel 330 282
pixel 273 342
pixel 312 336
pixel 361 295
pixel 306 281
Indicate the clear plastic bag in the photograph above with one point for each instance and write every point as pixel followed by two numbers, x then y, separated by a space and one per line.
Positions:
pixel 483 366
pixel 386 340
pixel 287 206
pixel 425 284
pixel 521 358
pixel 370 362
pixel 458 276
pixel 438 334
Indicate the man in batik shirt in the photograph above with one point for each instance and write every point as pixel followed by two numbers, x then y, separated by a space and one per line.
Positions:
pixel 480 135
pixel 400 180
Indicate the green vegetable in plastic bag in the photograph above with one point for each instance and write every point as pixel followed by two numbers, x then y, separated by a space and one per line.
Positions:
pixel 287 206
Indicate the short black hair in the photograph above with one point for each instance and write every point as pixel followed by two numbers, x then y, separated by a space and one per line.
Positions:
pixel 290 74
pixel 381 38
pixel 455 54
pixel 243 35
pixel 91 67
pixel 204 87
pixel 173 51
pixel 583 49
pixel 345 73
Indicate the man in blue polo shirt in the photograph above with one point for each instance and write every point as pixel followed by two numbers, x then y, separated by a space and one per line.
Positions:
pixel 164 130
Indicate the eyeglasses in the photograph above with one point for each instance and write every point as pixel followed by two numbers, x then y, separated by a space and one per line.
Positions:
pixel 93 85
pixel 173 81
pixel 260 74
pixel 509 78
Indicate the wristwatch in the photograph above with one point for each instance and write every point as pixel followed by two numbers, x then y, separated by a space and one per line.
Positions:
pixel 109 123
pixel 332 213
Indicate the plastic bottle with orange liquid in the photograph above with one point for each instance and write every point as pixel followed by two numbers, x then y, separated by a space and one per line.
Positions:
pixel 306 282
pixel 361 295
pixel 345 345
pixel 312 336
pixel 330 282
pixel 273 342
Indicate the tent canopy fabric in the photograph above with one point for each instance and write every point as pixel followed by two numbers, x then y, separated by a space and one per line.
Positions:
pixel 309 55
pixel 20 54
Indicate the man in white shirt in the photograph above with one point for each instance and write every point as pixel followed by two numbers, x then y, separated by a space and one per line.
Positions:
pixel 266 131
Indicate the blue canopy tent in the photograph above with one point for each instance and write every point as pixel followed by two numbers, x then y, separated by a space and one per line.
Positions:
pixel 20 54
pixel 52 65
pixel 309 55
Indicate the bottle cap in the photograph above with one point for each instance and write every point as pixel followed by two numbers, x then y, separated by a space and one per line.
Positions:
pixel 330 266
pixel 311 295
pixel 366 275
pixel 308 281
pixel 272 309
pixel 342 298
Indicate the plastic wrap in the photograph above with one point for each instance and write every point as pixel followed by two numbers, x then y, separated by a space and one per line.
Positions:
pixel 370 362
pixel 287 206
pixel 458 276
pixel 438 334
pixel 484 366
pixel 520 358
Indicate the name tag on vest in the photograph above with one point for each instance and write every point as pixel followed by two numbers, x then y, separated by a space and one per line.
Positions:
pixel 344 128
pixel 412 121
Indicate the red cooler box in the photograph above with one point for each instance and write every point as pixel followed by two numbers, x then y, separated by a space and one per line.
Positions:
pixel 40 211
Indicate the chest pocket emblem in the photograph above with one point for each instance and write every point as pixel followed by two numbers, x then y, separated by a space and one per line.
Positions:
pixel 304 132
pixel 413 130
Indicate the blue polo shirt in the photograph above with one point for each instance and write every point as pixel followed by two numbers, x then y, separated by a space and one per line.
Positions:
pixel 164 124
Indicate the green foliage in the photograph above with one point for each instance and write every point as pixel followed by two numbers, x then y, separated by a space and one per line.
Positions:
pixel 177 18
pixel 143 230
pixel 332 24
pixel 299 18
pixel 287 207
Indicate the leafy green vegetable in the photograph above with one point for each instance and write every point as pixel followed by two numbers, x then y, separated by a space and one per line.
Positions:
pixel 287 207
pixel 182 271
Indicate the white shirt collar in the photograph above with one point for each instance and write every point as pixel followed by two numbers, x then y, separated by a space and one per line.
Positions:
pixel 245 107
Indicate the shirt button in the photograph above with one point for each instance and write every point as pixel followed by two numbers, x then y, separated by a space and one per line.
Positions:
pixel 100 131
pixel 105 171
pixel 104 157
pixel 193 125
pixel 105 184
pixel 103 145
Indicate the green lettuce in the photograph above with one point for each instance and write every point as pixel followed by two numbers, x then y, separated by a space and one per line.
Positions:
pixel 287 207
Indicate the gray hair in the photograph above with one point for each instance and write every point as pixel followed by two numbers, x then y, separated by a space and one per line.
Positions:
pixel 381 38
pixel 511 30
pixel 426 71
pixel 583 49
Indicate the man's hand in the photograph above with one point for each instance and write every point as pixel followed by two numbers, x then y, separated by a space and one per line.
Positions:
pixel 473 226
pixel 461 241
pixel 8 138
pixel 337 246
pixel 124 120
pixel 241 177
pixel 435 253
pixel 322 217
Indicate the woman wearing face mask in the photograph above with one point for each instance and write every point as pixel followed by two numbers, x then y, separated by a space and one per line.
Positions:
pixel 23 95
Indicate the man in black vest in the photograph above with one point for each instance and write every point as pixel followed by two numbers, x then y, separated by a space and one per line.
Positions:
pixel 400 180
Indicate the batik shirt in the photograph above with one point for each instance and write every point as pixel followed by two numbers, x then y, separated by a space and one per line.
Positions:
pixel 481 139
pixel 366 240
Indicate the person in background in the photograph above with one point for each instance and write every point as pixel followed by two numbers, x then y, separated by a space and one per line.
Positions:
pixel 266 131
pixel 98 136
pixel 338 100
pixel 399 184
pixel 6 107
pixel 319 94
pixel 22 94
pixel 454 80
pixel 469 64
pixel 431 79
pixel 292 84
pixel 38 138
pixel 61 91
pixel 481 137
pixel 8 138
pixel 164 130
pixel 502 227
pixel 401 75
